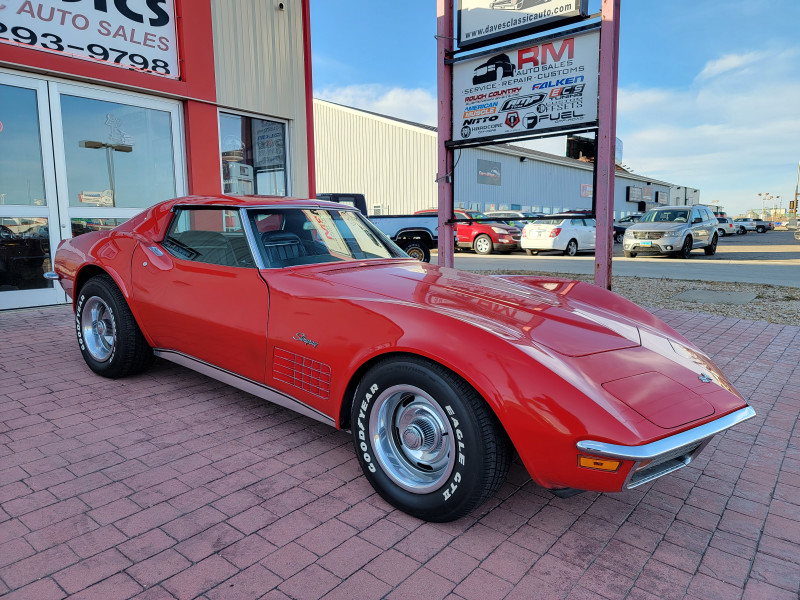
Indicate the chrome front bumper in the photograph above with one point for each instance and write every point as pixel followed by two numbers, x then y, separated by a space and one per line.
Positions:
pixel 668 454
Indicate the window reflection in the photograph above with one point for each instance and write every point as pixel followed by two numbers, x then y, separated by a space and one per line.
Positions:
pixel 24 253
pixel 117 155
pixel 253 153
pixel 81 226
pixel 21 173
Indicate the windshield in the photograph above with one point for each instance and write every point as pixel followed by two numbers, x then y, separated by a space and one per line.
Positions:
pixel 546 222
pixel 292 236
pixel 666 215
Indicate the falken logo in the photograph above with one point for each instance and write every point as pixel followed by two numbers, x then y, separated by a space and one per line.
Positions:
pixel 522 102
pixel 301 337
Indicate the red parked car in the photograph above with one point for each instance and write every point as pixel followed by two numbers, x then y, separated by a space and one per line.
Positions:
pixel 441 375
pixel 483 237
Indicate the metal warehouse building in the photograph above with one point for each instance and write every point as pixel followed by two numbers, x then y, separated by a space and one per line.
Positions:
pixel 393 163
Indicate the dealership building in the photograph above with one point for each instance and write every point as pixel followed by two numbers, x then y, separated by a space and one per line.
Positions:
pixel 393 163
pixel 107 108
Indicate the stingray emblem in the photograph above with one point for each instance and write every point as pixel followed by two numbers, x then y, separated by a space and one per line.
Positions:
pixel 704 378
pixel 301 337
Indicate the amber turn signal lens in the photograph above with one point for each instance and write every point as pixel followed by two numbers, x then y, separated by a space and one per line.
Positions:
pixel 601 464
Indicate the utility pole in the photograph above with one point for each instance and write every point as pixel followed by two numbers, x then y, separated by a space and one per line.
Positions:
pixel 445 174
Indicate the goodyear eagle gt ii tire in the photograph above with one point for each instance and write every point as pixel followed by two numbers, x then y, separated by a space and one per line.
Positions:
pixel 426 441
pixel 109 338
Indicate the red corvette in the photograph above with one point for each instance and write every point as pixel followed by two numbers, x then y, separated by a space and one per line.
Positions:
pixel 441 375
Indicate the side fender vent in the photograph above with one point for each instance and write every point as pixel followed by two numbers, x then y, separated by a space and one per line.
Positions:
pixel 301 372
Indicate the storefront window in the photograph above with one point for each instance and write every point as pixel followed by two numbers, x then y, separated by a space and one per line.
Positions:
pixel 24 253
pixel 21 172
pixel 253 153
pixel 117 155
pixel 81 226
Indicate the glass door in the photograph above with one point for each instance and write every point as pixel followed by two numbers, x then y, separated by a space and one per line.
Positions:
pixel 122 152
pixel 29 222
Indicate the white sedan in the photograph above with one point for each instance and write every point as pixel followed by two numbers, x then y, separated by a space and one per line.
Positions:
pixel 568 233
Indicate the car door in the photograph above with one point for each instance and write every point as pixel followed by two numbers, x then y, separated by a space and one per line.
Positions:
pixel 199 292
pixel 698 228
pixel 589 229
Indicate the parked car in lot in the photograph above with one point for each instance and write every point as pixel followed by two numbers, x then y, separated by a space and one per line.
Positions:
pixel 628 220
pixel 744 224
pixel 763 226
pixel 441 375
pixel 725 227
pixel 478 232
pixel 516 218
pixel 570 234
pixel 675 230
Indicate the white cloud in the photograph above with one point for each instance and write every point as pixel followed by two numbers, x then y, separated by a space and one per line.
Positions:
pixel 732 134
pixel 417 105
pixel 729 62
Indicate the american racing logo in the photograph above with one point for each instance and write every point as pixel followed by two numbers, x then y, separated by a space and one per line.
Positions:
pixel 476 110
pixel 522 102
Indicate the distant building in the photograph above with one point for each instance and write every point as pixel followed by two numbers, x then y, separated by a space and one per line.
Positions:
pixel 393 163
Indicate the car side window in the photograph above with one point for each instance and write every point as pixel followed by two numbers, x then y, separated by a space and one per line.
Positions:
pixel 209 235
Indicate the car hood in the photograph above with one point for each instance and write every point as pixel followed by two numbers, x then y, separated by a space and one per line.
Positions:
pixel 514 311
pixel 655 226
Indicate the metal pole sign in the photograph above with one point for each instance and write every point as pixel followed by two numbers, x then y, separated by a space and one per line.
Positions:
pixel 482 22
pixel 531 90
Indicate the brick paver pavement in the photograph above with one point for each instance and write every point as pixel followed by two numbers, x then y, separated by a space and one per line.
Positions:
pixel 170 484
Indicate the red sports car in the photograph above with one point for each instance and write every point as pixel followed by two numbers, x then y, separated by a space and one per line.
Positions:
pixel 441 375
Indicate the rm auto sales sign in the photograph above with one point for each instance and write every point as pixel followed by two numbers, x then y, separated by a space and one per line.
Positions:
pixel 526 91
pixel 137 35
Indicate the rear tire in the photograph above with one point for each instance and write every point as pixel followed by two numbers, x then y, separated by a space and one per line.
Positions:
pixel 619 237
pixel 425 439
pixel 572 248
pixel 418 250
pixel 761 229
pixel 109 338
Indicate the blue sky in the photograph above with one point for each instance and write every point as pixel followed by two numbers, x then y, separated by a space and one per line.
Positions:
pixel 709 90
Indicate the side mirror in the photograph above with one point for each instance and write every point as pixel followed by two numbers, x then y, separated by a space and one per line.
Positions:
pixel 697 220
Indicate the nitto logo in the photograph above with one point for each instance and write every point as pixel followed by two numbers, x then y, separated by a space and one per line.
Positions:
pixel 480 120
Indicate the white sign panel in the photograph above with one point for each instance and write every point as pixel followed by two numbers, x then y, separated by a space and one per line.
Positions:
pixel 132 34
pixel 548 85
pixel 480 21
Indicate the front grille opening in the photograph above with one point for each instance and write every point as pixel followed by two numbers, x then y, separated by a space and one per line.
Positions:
pixel 666 463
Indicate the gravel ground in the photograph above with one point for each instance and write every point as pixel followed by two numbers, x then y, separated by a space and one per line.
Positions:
pixel 773 303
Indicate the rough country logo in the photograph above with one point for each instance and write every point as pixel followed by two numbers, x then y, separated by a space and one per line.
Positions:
pixel 512 119
pixel 521 102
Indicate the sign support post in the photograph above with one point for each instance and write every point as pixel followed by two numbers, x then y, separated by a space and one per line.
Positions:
pixel 444 176
pixel 605 166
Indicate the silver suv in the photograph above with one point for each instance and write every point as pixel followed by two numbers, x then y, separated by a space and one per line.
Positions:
pixel 672 230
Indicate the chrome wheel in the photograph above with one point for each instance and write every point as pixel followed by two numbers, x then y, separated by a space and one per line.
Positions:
pixel 97 329
pixel 412 438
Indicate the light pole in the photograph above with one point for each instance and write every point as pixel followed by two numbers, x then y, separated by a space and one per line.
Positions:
pixel 109 148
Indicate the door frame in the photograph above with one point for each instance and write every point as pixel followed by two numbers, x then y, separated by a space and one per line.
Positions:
pixel 55 294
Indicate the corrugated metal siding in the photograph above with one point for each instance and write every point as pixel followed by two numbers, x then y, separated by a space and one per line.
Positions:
pixel 392 164
pixel 258 57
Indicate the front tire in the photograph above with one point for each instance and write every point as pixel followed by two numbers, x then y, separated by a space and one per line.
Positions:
pixel 425 440
pixel 711 249
pixel 530 252
pixel 109 338
pixel 629 254
pixel 572 248
pixel 483 244
pixel 686 249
